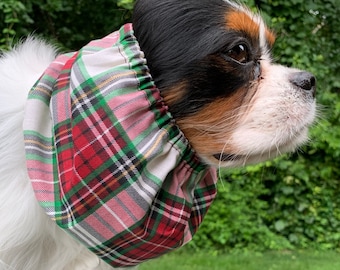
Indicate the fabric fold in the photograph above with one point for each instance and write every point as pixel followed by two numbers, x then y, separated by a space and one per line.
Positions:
pixel 106 160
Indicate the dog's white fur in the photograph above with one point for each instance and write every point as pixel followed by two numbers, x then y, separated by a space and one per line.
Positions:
pixel 29 240
pixel 276 121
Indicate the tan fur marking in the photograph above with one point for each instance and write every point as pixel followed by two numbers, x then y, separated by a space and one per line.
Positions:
pixel 210 129
pixel 174 94
pixel 241 21
pixel 270 36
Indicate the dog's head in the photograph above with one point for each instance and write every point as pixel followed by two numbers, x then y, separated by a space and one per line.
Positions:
pixel 211 60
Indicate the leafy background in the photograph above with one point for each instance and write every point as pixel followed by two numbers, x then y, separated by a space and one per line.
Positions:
pixel 291 202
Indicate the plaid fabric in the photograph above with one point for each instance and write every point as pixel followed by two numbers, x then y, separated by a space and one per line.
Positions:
pixel 105 159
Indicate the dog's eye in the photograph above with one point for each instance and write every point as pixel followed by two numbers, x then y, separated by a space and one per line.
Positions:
pixel 239 53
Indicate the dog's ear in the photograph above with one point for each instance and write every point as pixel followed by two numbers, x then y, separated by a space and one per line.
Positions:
pixel 174 34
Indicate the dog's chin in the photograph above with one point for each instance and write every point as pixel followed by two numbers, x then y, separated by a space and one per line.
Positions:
pixel 262 152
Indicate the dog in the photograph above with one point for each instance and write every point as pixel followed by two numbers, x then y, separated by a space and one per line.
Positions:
pixel 192 86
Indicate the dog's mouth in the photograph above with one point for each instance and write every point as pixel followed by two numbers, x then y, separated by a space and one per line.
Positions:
pixel 227 157
pixel 238 159
pixel 289 144
pixel 242 160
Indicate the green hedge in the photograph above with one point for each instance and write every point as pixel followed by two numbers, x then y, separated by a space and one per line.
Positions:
pixel 281 204
pixel 71 24
pixel 291 202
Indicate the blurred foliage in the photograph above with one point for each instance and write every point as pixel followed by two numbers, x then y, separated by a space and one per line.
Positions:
pixel 71 24
pixel 290 202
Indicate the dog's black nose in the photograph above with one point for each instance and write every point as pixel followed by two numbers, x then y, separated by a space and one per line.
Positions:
pixel 304 80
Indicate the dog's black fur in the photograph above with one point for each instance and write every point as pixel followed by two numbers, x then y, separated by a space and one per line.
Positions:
pixel 192 49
